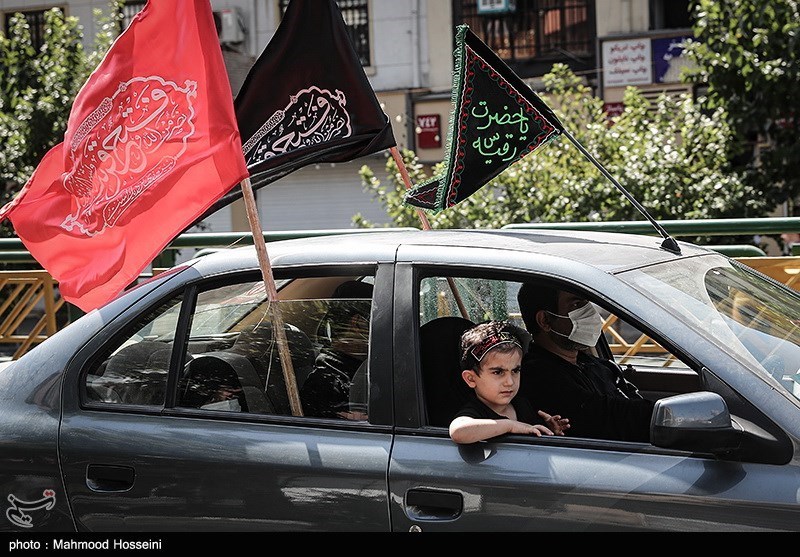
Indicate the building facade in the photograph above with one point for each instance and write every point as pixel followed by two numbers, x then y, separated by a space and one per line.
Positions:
pixel 406 47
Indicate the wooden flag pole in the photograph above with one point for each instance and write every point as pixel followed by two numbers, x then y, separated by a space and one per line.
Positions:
pixel 398 159
pixel 278 332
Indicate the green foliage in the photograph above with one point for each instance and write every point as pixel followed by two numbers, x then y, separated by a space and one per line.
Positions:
pixel 673 159
pixel 37 89
pixel 748 53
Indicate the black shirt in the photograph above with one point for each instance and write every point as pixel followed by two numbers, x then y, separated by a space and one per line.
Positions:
pixel 593 395
pixel 474 408
pixel 326 390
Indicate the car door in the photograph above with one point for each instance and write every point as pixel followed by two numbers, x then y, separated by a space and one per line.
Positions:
pixel 552 483
pixel 182 419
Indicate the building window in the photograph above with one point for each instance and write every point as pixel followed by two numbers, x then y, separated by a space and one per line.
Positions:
pixel 356 18
pixel 669 14
pixel 35 22
pixel 129 10
pixel 545 30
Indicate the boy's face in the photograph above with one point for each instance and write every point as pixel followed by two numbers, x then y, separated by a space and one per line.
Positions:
pixel 498 381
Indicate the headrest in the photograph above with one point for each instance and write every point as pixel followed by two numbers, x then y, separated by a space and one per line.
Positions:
pixel 440 355
pixel 340 311
pixel 353 289
pixel 443 329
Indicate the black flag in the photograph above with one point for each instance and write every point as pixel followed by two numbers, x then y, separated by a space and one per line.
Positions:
pixel 307 99
pixel 496 120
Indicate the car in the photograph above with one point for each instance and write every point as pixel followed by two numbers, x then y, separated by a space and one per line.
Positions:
pixel 179 405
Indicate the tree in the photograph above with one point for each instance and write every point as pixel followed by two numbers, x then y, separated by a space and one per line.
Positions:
pixel 672 158
pixel 37 89
pixel 748 53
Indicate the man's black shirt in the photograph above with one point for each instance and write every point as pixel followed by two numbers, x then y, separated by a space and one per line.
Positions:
pixel 593 395
pixel 326 390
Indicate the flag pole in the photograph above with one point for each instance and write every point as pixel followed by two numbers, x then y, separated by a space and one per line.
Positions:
pixel 669 242
pixel 279 334
pixel 398 159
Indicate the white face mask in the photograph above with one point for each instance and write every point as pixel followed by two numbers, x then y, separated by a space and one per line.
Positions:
pixel 587 325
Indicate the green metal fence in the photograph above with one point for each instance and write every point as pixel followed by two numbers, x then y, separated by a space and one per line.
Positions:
pixel 705 227
pixel 22 286
pixel 678 228
pixel 13 251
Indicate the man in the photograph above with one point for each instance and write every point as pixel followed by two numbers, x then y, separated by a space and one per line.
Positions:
pixel 790 239
pixel 561 375
pixel 326 391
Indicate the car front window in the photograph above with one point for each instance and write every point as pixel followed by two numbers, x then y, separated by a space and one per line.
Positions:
pixel 134 368
pixel 737 309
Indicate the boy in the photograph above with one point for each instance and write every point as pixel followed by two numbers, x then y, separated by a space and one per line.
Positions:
pixel 491 360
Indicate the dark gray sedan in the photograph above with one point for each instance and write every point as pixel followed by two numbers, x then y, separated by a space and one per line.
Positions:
pixel 191 403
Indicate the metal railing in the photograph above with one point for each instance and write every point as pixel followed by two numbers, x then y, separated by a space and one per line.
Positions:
pixel 29 299
pixel 785 269
pixel 678 228
pixel 705 227
pixel 22 292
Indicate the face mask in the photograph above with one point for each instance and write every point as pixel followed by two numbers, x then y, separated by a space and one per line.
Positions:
pixel 587 325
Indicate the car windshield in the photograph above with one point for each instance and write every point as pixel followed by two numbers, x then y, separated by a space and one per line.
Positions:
pixel 736 308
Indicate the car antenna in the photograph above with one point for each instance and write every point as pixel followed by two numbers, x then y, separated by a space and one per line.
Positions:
pixel 669 242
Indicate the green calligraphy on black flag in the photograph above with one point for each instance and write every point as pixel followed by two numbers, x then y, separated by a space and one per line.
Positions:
pixel 496 120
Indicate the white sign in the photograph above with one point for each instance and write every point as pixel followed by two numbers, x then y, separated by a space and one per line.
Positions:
pixel 496 6
pixel 627 62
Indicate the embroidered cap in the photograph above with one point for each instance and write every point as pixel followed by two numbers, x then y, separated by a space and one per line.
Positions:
pixel 492 341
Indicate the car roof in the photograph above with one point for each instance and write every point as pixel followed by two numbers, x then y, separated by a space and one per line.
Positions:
pixel 610 251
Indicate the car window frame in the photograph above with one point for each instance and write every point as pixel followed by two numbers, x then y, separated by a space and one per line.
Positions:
pixel 421 271
pixel 380 414
pixel 412 273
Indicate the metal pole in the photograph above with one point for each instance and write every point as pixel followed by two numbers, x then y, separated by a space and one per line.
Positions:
pixel 669 242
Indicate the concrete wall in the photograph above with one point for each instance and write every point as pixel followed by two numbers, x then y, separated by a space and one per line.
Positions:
pixel 616 17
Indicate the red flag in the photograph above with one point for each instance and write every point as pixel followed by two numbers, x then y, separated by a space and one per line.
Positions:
pixel 151 143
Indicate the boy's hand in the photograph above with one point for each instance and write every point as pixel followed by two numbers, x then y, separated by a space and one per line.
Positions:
pixel 555 422
pixel 528 429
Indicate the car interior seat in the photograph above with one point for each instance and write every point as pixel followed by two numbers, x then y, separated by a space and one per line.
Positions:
pixel 359 295
pixel 445 390
pixel 136 374
pixel 259 347
pixel 208 374
pixel 359 390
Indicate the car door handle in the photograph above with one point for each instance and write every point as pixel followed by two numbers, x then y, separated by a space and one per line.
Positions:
pixel 430 504
pixel 106 477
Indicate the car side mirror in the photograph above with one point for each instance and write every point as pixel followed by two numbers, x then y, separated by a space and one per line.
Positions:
pixel 698 422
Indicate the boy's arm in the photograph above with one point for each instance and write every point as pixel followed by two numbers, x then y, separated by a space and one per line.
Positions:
pixel 464 429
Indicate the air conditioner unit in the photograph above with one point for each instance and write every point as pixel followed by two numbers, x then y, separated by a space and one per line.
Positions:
pixel 231 25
